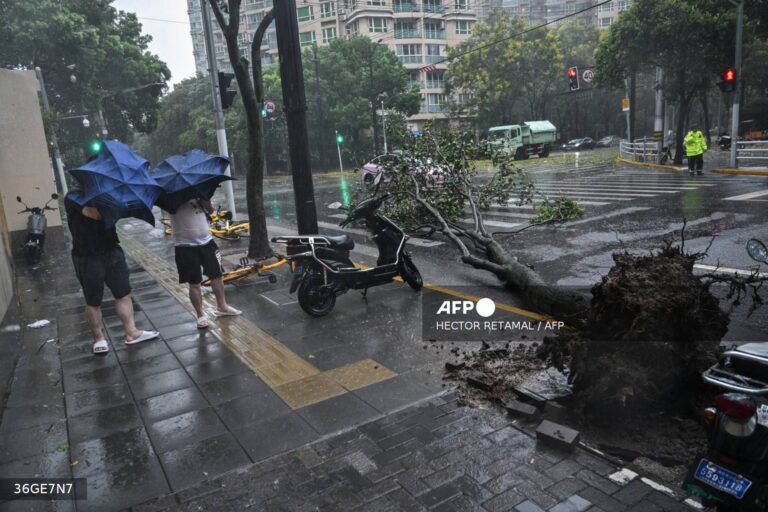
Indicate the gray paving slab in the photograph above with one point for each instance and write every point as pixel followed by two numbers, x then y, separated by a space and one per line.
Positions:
pixel 276 435
pixel 196 462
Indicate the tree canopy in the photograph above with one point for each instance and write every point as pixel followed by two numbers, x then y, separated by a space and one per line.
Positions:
pixel 102 48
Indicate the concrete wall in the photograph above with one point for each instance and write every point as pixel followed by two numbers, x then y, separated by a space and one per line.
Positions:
pixel 25 168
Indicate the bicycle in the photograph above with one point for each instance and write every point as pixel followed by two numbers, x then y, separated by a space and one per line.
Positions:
pixel 247 268
pixel 222 226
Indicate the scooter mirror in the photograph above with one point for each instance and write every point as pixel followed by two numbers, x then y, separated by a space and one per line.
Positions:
pixel 54 196
pixel 334 206
pixel 757 251
pixel 377 179
pixel 18 198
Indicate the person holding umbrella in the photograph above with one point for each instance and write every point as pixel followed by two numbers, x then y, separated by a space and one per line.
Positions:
pixel 189 181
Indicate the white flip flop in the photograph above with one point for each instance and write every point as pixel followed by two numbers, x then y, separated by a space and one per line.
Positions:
pixel 202 323
pixel 101 347
pixel 144 336
pixel 229 312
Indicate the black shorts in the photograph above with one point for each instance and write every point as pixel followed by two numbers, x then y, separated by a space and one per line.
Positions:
pixel 191 259
pixel 96 270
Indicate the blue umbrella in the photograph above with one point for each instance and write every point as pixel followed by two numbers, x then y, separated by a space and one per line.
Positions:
pixel 118 183
pixel 193 175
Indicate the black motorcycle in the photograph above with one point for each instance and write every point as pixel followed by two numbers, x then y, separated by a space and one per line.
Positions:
pixel 322 269
pixel 36 227
pixel 733 474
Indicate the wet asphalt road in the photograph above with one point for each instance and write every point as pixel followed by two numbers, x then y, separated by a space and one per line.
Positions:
pixel 626 207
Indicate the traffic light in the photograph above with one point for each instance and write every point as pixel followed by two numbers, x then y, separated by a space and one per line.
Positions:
pixel 339 138
pixel 94 146
pixel 573 78
pixel 264 112
pixel 728 80
pixel 226 95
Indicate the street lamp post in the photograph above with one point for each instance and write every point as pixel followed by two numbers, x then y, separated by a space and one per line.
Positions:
pixel 58 164
pixel 384 125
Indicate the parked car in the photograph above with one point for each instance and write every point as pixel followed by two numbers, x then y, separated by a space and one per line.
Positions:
pixel 579 144
pixel 369 171
pixel 607 142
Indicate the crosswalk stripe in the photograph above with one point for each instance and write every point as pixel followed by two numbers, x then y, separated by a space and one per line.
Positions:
pixel 494 223
pixel 495 213
pixel 629 188
pixel 726 270
pixel 605 197
pixel 512 204
pixel 684 182
pixel 574 191
pixel 745 197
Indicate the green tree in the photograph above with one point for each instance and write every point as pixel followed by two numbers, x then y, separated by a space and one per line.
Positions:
pixel 102 48
pixel 366 72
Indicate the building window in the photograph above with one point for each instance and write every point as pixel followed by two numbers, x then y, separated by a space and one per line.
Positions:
pixel 623 5
pixel 432 5
pixel 305 13
pixel 408 53
pixel 327 9
pixel 352 28
pixel 307 38
pixel 375 2
pixel 351 4
pixel 605 7
pixel 461 4
pixel 464 97
pixel 329 34
pixel 463 27
pixel 606 22
pixel 434 79
pixel 377 24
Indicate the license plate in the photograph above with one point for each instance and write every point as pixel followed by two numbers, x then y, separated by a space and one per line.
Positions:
pixel 722 479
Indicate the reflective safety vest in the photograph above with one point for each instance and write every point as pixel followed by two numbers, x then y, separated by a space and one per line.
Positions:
pixel 694 143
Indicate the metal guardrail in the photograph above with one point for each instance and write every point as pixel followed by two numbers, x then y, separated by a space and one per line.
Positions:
pixel 639 151
pixel 752 151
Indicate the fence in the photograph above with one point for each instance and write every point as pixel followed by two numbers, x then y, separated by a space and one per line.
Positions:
pixel 639 151
pixel 753 152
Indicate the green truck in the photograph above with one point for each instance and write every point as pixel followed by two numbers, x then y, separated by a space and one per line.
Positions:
pixel 523 140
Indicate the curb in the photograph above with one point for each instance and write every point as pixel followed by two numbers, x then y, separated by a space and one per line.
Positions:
pixel 649 165
pixel 750 172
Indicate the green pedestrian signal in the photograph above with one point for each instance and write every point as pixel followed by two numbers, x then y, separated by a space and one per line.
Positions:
pixel 339 138
pixel 264 112
pixel 94 146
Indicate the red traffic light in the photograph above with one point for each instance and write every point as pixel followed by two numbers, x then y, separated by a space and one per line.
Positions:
pixel 572 72
pixel 729 75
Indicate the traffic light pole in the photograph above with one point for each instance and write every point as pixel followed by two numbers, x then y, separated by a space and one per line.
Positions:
pixel 294 99
pixel 221 133
pixel 338 150
pixel 737 93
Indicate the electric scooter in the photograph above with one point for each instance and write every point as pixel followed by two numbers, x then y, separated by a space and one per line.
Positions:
pixel 322 269
pixel 733 474
pixel 36 226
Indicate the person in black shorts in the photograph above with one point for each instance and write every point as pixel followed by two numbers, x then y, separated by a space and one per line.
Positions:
pixel 98 260
pixel 197 254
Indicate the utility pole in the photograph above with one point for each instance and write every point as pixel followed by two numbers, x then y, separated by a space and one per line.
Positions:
pixel 338 150
pixel 56 155
pixel 658 121
pixel 737 93
pixel 384 125
pixel 295 101
pixel 221 132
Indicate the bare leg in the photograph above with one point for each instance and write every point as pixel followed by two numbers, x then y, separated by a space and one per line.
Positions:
pixel 93 319
pixel 196 298
pixel 218 291
pixel 124 308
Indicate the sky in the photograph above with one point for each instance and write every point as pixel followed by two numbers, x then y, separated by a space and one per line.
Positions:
pixel 170 38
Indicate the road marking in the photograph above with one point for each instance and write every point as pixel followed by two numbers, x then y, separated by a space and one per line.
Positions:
pixel 494 213
pixel 423 242
pixel 494 223
pixel 726 270
pixel 531 207
pixel 615 213
pixel 568 190
pixel 745 197
pixel 624 188
pixel 577 195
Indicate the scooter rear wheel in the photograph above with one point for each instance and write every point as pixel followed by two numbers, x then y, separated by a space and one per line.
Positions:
pixel 410 273
pixel 312 300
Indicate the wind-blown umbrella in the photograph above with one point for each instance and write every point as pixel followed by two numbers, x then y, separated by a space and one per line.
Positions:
pixel 118 183
pixel 192 175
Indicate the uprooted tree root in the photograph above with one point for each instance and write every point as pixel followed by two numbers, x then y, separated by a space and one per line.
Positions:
pixel 652 328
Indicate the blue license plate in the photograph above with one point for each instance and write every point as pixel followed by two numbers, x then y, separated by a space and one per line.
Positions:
pixel 722 479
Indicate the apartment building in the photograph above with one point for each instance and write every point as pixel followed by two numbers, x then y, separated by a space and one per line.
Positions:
pixel 547 11
pixel 418 31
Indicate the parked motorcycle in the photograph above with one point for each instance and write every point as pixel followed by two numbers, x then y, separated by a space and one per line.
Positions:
pixel 322 269
pixel 724 142
pixel 733 474
pixel 36 226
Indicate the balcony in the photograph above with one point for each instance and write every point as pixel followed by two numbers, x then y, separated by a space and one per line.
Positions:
pixel 405 7
pixel 410 59
pixel 434 84
pixel 433 109
pixel 431 59
pixel 407 33
pixel 434 34
pixel 432 8
pixel 415 83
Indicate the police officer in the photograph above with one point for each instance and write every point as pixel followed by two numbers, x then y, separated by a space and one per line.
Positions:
pixel 695 146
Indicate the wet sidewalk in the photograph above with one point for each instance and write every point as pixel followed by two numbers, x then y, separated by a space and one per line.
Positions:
pixel 269 411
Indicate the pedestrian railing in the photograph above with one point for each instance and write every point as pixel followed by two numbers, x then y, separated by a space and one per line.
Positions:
pixel 639 151
pixel 752 152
